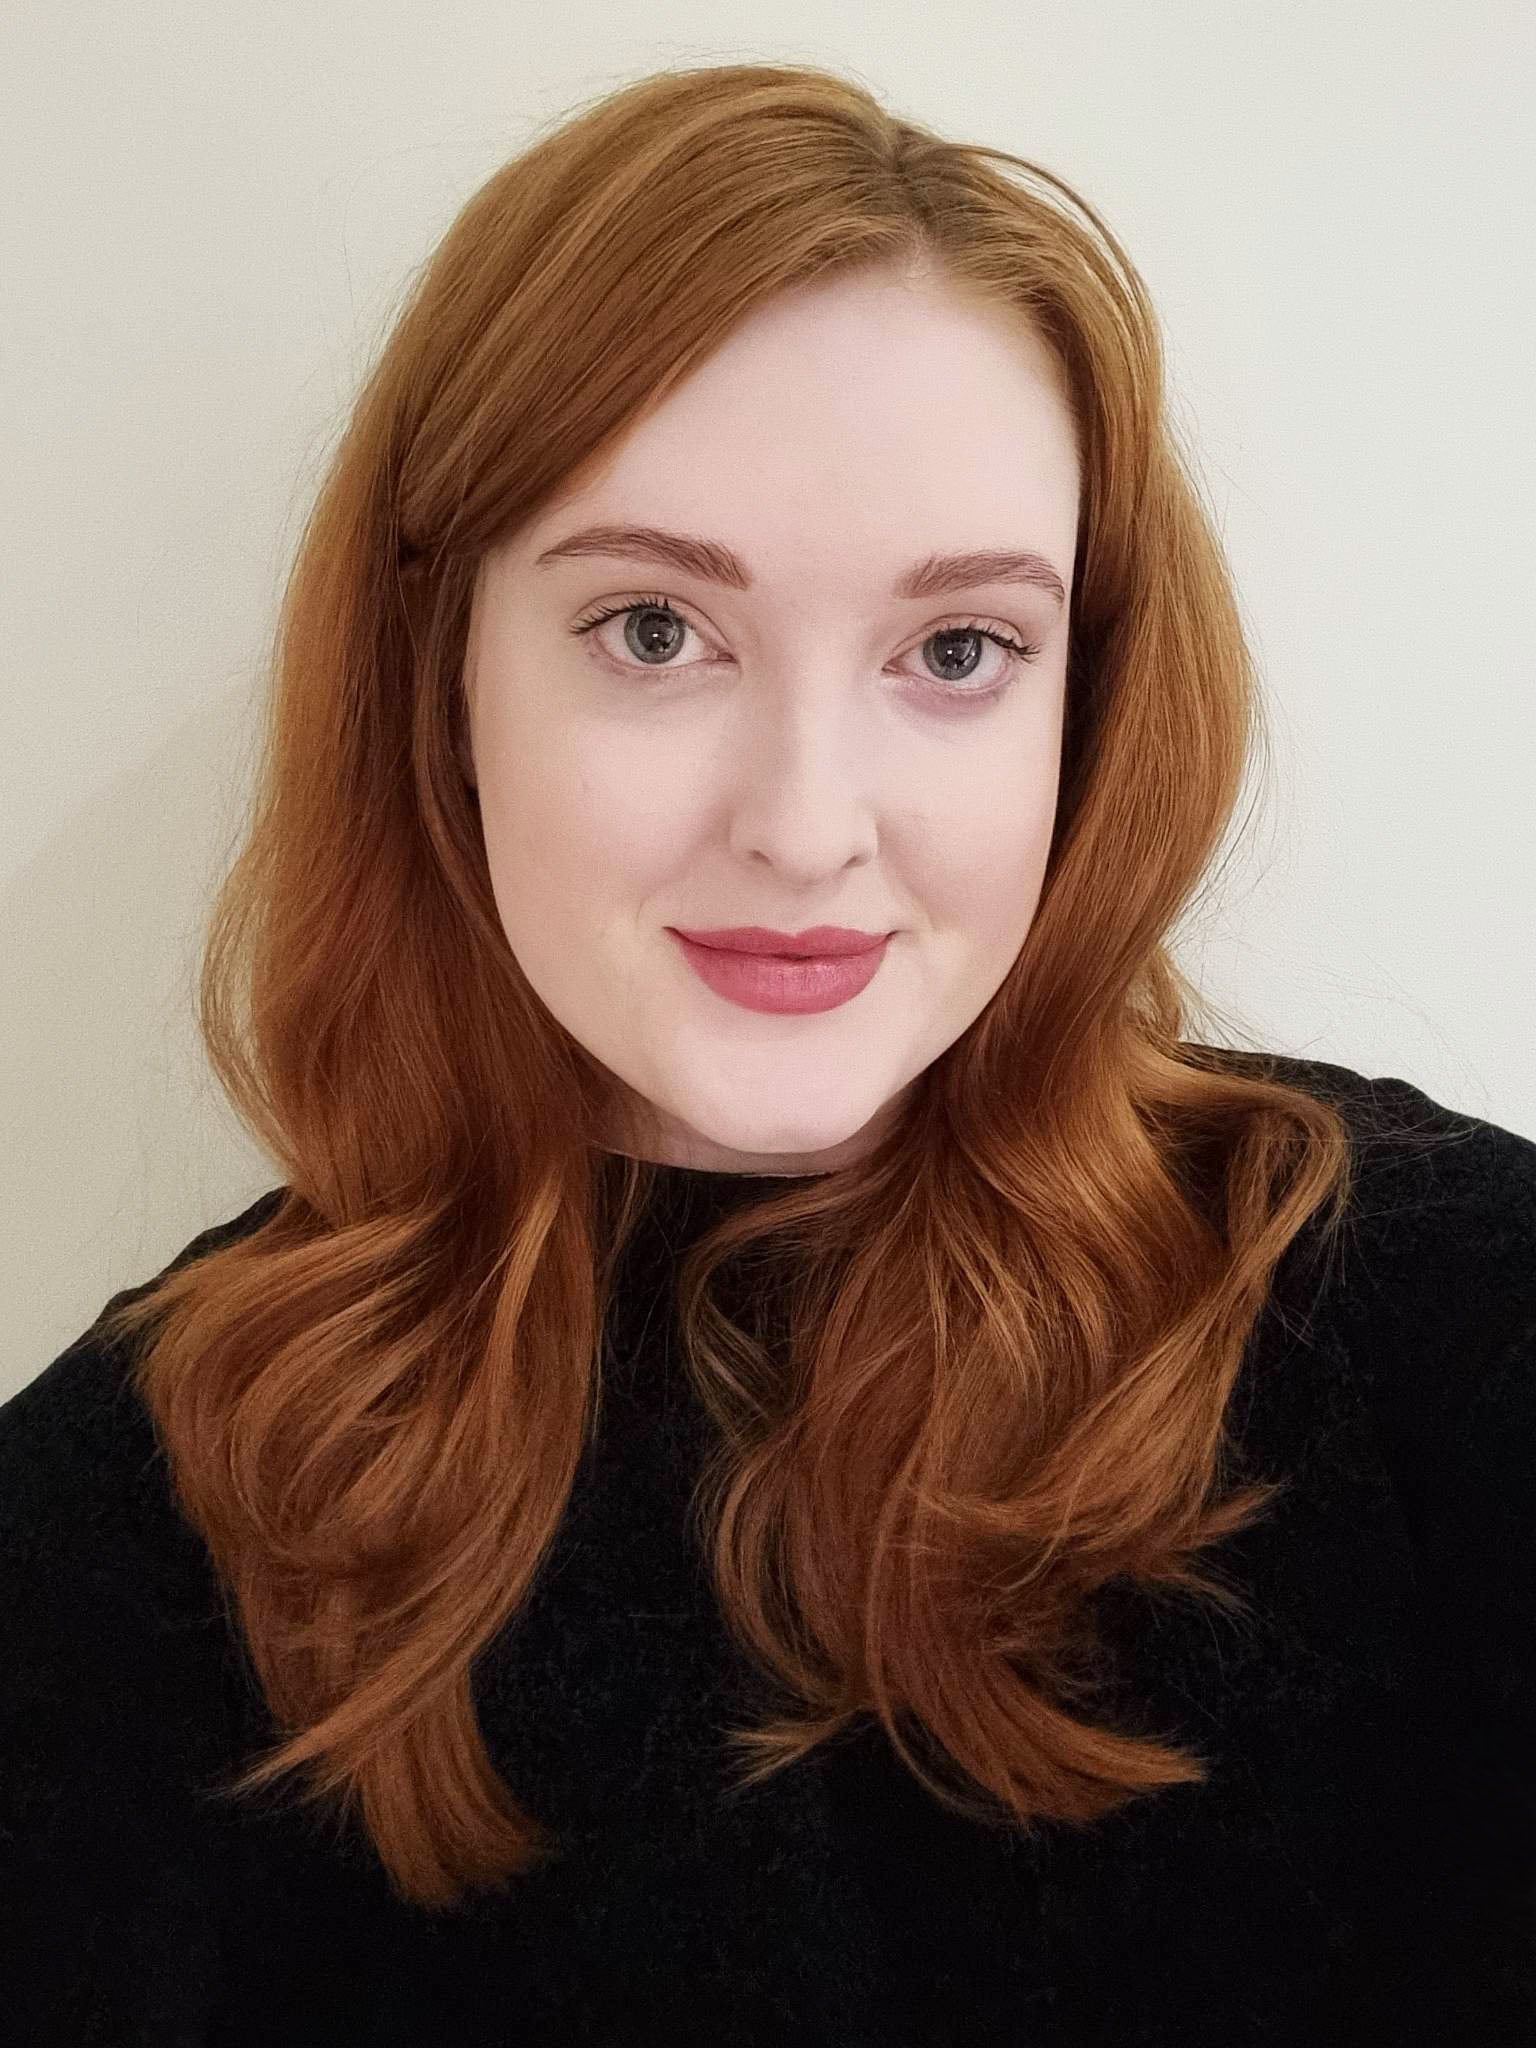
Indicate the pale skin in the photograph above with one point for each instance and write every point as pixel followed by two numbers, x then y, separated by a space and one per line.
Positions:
pixel 809 751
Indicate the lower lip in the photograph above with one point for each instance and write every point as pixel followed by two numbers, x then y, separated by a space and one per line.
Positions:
pixel 767 981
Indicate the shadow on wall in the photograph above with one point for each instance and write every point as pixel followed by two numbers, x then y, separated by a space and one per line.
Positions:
pixel 120 1145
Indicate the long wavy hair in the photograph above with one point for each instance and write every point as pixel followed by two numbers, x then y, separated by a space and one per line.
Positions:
pixel 1003 1342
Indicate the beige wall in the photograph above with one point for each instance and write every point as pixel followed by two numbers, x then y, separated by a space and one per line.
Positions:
pixel 208 215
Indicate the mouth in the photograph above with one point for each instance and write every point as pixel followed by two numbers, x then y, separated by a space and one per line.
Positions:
pixel 821 942
pixel 796 984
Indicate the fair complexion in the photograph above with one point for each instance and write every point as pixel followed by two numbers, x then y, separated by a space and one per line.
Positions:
pixel 810 750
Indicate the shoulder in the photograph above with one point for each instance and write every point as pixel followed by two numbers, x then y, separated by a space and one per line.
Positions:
pixel 113 1638
pixel 1431 1277
pixel 1438 1243
pixel 113 1709
pixel 1428 1314
pixel 1424 1297
pixel 86 1511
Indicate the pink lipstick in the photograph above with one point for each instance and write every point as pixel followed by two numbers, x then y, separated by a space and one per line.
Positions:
pixel 786 972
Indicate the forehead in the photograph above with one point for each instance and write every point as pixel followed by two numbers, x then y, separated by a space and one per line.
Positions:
pixel 955 434
pixel 863 372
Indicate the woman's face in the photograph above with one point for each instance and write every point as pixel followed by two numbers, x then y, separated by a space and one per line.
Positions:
pixel 796 744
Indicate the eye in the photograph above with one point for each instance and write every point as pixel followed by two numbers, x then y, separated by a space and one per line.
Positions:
pixel 659 625
pixel 650 635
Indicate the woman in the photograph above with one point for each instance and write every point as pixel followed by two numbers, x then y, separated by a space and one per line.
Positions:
pixel 754 1482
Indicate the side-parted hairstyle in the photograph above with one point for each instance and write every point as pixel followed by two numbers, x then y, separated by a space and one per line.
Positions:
pixel 1004 1341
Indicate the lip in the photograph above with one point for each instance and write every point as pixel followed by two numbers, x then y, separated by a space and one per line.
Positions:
pixel 800 986
pixel 820 941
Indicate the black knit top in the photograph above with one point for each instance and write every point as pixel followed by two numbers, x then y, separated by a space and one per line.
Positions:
pixel 1359 1866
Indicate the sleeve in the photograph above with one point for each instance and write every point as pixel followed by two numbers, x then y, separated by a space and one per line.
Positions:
pixel 109 1915
pixel 108 1927
pixel 1443 1309
pixel 112 1885
pixel 1477 1550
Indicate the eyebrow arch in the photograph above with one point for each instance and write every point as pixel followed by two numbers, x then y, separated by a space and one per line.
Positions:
pixel 710 560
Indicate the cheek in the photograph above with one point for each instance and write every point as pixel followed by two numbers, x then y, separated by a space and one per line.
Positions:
pixel 995 900
pixel 988 854
pixel 568 828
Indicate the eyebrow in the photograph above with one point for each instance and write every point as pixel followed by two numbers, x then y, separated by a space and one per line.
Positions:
pixel 713 562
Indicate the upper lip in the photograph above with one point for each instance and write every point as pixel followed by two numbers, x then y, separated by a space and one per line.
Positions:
pixel 819 940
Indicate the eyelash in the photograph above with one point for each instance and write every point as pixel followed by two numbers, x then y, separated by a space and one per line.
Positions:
pixel 1017 651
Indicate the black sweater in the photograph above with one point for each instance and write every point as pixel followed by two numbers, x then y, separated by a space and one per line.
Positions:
pixel 1360 1865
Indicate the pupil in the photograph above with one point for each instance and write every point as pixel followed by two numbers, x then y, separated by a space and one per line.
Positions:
pixel 643 625
pixel 960 633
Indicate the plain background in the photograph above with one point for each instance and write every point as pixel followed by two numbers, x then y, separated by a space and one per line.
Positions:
pixel 209 217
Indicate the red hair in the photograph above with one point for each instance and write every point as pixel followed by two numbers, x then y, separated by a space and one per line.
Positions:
pixel 1008 1336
